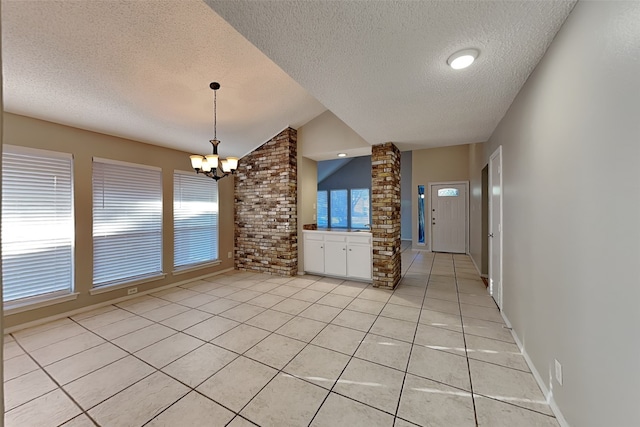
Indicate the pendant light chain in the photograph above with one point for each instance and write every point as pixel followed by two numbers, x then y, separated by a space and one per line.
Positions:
pixel 208 165
pixel 215 114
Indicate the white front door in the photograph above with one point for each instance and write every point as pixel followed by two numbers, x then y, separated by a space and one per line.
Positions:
pixel 449 218
pixel 495 226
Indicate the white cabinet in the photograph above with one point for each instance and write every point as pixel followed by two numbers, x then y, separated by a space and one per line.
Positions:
pixel 335 255
pixel 314 256
pixel 359 261
pixel 340 254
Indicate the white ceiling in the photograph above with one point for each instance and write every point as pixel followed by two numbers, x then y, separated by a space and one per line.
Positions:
pixel 141 69
pixel 380 66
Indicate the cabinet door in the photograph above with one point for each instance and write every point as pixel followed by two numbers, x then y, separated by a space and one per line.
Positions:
pixel 314 256
pixel 359 261
pixel 335 258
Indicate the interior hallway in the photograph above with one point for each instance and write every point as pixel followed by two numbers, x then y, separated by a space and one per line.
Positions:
pixel 240 349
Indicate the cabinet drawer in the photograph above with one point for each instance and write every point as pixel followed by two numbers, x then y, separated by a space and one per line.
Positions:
pixel 360 239
pixel 313 236
pixel 335 238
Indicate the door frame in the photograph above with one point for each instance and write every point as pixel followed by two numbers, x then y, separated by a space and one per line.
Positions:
pixel 497 153
pixel 466 213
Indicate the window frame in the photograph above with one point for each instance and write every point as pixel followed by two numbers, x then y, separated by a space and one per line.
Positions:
pixel 349 208
pixel 46 158
pixel 126 281
pixel 364 227
pixel 338 191
pixel 190 176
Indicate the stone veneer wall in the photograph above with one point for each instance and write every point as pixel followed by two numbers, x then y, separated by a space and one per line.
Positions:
pixel 385 215
pixel 266 231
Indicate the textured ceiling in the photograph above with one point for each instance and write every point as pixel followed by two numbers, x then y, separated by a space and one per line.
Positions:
pixel 141 70
pixel 380 66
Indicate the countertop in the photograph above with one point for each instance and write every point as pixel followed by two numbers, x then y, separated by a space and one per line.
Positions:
pixel 340 230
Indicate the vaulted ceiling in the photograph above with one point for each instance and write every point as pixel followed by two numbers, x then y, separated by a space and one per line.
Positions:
pixel 141 69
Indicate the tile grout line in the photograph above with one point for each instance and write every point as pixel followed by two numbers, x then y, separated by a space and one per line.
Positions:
pixel 129 353
pixel 307 343
pixel 296 355
pixel 464 338
pixel 156 370
pixel 415 332
pixel 257 361
pixel 156 322
pixel 126 351
pixel 350 359
pixel 58 386
pixel 194 389
pixel 474 394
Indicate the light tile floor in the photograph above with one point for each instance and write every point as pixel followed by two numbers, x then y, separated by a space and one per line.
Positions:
pixel 243 349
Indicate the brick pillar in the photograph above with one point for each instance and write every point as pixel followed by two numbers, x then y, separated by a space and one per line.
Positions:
pixel 266 231
pixel 385 215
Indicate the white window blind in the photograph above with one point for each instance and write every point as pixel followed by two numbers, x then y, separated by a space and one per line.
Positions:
pixel 127 222
pixel 37 223
pixel 195 219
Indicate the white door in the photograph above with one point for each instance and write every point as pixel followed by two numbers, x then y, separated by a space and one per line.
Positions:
pixel 449 218
pixel 314 255
pixel 495 226
pixel 335 258
pixel 359 261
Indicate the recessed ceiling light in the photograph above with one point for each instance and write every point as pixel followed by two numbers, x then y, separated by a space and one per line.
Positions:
pixel 342 154
pixel 462 59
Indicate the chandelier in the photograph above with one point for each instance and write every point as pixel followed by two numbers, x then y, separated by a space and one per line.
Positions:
pixel 208 164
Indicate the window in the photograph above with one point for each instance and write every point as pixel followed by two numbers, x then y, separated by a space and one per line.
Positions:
pixel 37 223
pixel 360 208
pixel 421 214
pixel 323 210
pixel 195 219
pixel 448 192
pixel 338 208
pixel 344 208
pixel 127 222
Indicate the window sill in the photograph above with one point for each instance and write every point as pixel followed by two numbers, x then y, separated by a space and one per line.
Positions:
pixel 15 307
pixel 109 288
pixel 195 267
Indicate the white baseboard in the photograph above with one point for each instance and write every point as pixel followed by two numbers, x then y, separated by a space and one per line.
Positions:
pixel 44 320
pixel 475 265
pixel 548 394
pixel 486 276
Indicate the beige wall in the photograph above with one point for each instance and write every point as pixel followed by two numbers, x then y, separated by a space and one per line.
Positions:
pixel 571 231
pixel 29 132
pixel 435 165
pixel 476 163
pixel 326 136
pixel 307 198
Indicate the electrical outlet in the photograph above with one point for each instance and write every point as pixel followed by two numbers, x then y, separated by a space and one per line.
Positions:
pixel 558 372
pixel 230 254
pixel 132 291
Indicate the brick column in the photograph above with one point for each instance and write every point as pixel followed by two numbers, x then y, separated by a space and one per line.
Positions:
pixel 385 215
pixel 266 231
